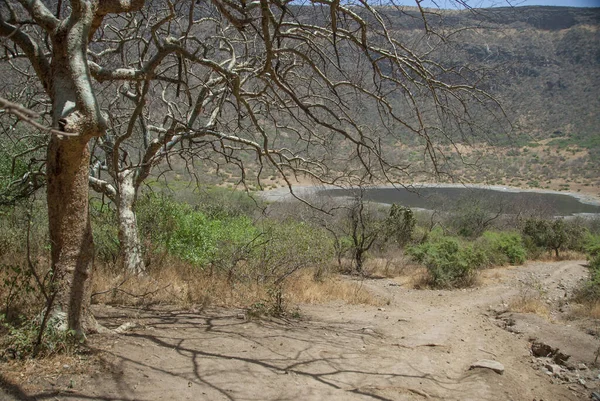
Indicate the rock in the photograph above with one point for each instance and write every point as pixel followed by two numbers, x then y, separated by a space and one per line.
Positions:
pixel 560 358
pixel 241 316
pixel 488 364
pixel 582 366
pixel 542 350
pixel 555 369
pixel 125 327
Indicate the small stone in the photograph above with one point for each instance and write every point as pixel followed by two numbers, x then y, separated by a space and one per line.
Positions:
pixel 489 364
pixel 555 369
pixel 381 309
pixel 241 316
pixel 582 366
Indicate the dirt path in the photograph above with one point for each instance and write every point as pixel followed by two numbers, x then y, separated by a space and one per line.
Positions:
pixel 418 347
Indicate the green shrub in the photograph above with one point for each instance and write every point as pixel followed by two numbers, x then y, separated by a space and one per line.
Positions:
pixel 399 226
pixel 106 232
pixel 201 240
pixel 449 263
pixel 590 291
pixel 288 246
pixel 501 248
pixel 219 202
pixel 20 340
pixel 554 235
pixel 191 234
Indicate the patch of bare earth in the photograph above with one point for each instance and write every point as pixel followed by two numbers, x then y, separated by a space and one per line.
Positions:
pixel 420 346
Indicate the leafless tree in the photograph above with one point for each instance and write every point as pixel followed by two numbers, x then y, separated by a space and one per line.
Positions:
pixel 309 88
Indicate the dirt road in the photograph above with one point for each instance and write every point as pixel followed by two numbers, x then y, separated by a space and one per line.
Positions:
pixel 419 346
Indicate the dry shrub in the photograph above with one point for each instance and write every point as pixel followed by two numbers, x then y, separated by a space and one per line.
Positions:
pixel 529 304
pixel 20 295
pixel 530 298
pixel 174 283
pixel 303 288
pixel 587 310
pixel 392 263
pixel 178 283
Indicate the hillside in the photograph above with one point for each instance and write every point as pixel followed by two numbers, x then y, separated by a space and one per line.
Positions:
pixel 543 65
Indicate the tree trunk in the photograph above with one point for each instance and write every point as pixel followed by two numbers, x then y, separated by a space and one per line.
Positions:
pixel 131 247
pixel 70 229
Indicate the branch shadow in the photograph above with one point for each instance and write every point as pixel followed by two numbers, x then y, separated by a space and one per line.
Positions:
pixel 321 357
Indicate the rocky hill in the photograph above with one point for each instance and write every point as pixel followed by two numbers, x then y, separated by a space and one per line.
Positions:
pixel 543 63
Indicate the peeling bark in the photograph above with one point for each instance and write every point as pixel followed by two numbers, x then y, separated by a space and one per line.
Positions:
pixel 131 247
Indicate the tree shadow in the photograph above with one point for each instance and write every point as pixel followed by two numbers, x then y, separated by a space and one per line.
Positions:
pixel 217 354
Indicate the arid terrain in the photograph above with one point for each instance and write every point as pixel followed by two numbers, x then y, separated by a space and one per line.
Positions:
pixel 419 345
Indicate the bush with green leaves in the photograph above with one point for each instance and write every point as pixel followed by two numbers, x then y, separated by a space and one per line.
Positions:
pixel 202 240
pixel 288 246
pixel 591 289
pixel 191 234
pixel 450 263
pixel 554 235
pixel 106 232
pixel 501 247
pixel 21 162
pixel 23 341
pixel 217 202
pixel 399 226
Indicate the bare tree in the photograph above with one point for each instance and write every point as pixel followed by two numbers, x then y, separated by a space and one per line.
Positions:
pixel 320 89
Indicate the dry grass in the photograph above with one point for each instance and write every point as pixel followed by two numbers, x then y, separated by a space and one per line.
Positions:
pixel 593 310
pixel 391 264
pixel 587 310
pixel 529 304
pixel 547 256
pixel 179 284
pixel 175 283
pixel 304 289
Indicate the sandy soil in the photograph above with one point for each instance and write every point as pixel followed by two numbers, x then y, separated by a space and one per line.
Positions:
pixel 419 346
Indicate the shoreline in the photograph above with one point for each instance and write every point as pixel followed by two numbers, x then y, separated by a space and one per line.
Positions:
pixel 284 193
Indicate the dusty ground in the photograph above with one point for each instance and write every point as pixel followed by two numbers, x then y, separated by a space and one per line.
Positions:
pixel 418 347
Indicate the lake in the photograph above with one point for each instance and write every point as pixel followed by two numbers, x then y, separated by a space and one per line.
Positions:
pixel 441 197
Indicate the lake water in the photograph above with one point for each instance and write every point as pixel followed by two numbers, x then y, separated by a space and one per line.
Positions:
pixel 439 198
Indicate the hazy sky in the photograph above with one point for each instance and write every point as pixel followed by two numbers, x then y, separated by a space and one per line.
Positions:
pixel 501 3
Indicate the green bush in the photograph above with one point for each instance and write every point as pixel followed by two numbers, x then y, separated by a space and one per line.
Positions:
pixel 201 240
pixel 288 246
pixel 554 235
pixel 217 202
pixel 191 234
pixel 591 289
pixel 448 261
pixel 232 243
pixel 501 248
pixel 400 224
pixel 106 232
